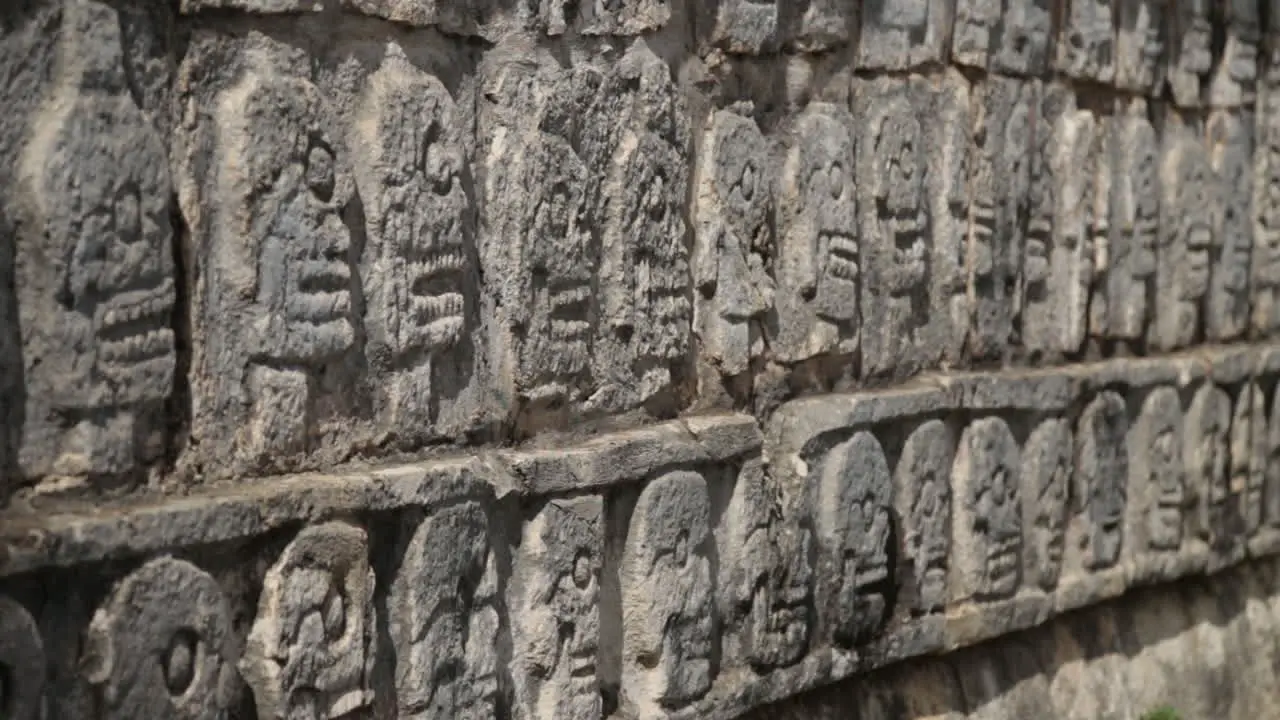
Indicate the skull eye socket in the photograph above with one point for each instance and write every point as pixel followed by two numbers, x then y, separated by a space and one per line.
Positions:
pixel 179 664
pixel 320 172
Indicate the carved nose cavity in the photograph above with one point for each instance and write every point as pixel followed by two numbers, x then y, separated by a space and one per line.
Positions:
pixel 179 664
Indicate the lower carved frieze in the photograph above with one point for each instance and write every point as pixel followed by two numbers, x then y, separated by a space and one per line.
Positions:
pixel 694 569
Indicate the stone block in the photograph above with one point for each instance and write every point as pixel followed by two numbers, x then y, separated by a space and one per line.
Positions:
pixel 903 34
pixel 1010 39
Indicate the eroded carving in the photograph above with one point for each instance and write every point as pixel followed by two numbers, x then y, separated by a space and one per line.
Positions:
pixel 1191 51
pixel 1060 254
pixel 1157 470
pixel 1102 475
pixel 818 25
pixel 987 551
pixel 855 520
pixel 745 26
pixel 159 646
pixel 1046 475
pixel 1011 39
pixel 311 650
pixel 623 17
pixel 1231 156
pixel 276 299
pixel 1141 39
pixel 557 629
pixel 901 34
pixel 443 616
pixel 1204 454
pixel 668 595
pixel 22 662
pixel 95 271
pixel 1187 220
pixel 1266 202
pixel 1129 263
pixel 645 308
pixel 1271 489
pixel 895 232
pixel 1248 455
pixel 1235 75
pixel 819 259
pixel 418 261
pixel 923 501
pixel 1086 48
pixel 767 576
pixel 732 230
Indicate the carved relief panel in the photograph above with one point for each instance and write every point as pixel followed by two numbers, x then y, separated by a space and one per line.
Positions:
pixel 744 26
pixel 537 237
pixel 1234 78
pixel 1157 476
pixel 855 524
pixel 922 483
pixel 950 162
pixel 1248 455
pixel 819 266
pixel 894 227
pixel 418 268
pixel 987 546
pixel 556 626
pixel 1047 469
pixel 1265 262
pixel 902 34
pixel 1086 45
pixel 668 593
pixel 1101 478
pixel 645 308
pixel 94 276
pixel 1188 209
pixel 1142 38
pixel 1011 38
pixel 1190 51
pixel 1059 263
pixel 732 291
pixel 818 25
pixel 766 576
pixel 159 646
pixel 1231 156
pixel 1205 455
pixel 311 650
pixel 273 301
pixel 1271 489
pixel 22 662
pixel 443 615
pixel 1128 260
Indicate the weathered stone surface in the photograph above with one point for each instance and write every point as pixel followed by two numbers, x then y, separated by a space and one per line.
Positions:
pixel 1157 478
pixel 1101 480
pixel 743 26
pixel 668 590
pixel 1190 51
pixel 1142 41
pixel 1011 39
pixel 820 259
pixel 556 628
pixel 1061 249
pixel 1248 455
pixel 1234 78
pixel 1205 456
pixel 1047 470
pixel 731 208
pixel 161 645
pixel 443 615
pixel 1086 46
pixel 22 662
pixel 1188 212
pixel 418 271
pixel 902 34
pixel 818 25
pixel 312 647
pixel 922 500
pixel 1127 263
pixel 1265 261
pixel 766 576
pixel 93 266
pixel 1231 150
pixel 987 544
pixel 855 525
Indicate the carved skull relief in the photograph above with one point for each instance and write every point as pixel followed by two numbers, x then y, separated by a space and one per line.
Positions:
pixel 171 611
pixel 1248 455
pixel 988 525
pixel 1046 473
pixel 1205 455
pixel 923 480
pixel 1102 475
pixel 1158 470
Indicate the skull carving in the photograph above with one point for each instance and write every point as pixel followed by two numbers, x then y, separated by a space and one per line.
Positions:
pixel 667 595
pixel 1046 472
pixel 1248 459
pixel 855 516
pixel 1158 468
pixel 1204 454
pixel 1102 467
pixel 924 473
pixel 988 526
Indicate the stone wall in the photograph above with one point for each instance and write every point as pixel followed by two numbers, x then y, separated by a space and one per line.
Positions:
pixel 645 358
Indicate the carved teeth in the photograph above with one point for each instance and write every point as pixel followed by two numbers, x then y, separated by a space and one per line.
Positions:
pixel 438 264
pixel 842 256
pixel 154 305
pixel 323 276
pixel 319 307
pixel 870 575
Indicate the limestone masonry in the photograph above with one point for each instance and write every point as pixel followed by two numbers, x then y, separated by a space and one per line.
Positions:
pixel 572 359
